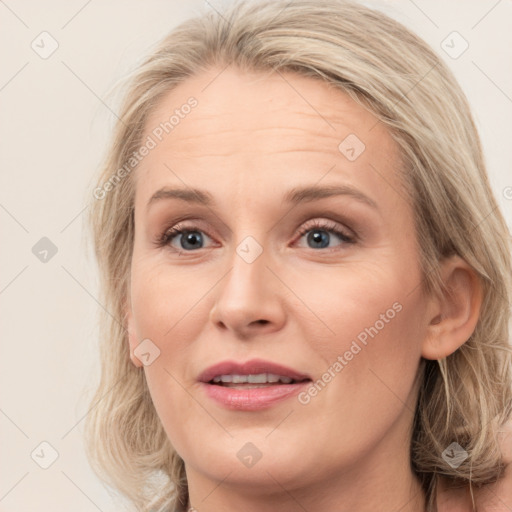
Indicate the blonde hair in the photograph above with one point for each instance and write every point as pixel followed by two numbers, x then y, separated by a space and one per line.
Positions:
pixel 393 73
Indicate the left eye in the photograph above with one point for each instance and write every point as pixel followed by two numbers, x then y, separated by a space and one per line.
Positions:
pixel 318 234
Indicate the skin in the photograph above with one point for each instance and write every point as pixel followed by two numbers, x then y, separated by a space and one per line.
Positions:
pixel 251 139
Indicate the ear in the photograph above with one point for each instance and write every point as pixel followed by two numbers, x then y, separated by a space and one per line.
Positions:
pixel 132 336
pixel 453 316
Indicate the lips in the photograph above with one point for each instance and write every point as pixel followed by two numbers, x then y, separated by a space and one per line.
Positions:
pixel 251 386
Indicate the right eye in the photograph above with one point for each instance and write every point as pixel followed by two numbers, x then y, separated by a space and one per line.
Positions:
pixel 190 238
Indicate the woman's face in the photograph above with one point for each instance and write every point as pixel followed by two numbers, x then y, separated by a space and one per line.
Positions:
pixel 301 254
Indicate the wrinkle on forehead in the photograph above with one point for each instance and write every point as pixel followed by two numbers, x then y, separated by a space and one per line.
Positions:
pixel 260 100
pixel 252 121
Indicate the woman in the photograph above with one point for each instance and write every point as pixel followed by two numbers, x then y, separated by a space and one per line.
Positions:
pixel 306 273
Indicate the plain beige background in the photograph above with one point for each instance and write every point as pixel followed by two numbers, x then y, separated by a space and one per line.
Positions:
pixel 55 121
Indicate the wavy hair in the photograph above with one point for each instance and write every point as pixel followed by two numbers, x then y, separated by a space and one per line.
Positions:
pixel 390 71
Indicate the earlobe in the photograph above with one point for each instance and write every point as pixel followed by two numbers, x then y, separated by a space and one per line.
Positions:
pixel 132 337
pixel 454 315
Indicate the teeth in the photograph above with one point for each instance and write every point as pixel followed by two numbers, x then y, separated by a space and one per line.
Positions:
pixel 257 379
pixel 260 378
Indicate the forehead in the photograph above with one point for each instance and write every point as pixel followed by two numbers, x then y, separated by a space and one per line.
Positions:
pixel 262 128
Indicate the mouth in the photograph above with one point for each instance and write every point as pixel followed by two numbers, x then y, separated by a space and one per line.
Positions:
pixel 253 385
pixel 253 381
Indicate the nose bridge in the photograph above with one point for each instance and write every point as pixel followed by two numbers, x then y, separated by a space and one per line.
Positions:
pixel 249 251
pixel 246 279
pixel 247 295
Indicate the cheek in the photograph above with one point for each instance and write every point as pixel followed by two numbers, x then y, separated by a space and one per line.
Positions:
pixel 165 309
pixel 166 302
pixel 361 302
pixel 336 309
pixel 367 368
pixel 373 343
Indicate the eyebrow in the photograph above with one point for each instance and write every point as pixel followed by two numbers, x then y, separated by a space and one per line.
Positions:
pixel 294 196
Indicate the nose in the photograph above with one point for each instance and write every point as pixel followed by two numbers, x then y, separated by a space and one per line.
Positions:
pixel 249 298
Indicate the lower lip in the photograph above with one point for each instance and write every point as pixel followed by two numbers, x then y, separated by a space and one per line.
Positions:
pixel 252 399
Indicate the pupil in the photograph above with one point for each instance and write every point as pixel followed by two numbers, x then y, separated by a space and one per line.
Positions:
pixel 318 236
pixel 192 237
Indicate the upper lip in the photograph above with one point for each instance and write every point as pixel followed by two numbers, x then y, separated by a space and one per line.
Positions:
pixel 252 367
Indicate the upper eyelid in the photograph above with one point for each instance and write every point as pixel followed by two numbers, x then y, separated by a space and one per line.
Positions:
pixel 311 223
pixel 325 224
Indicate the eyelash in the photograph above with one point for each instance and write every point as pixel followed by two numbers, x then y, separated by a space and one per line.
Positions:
pixel 329 227
pixel 179 229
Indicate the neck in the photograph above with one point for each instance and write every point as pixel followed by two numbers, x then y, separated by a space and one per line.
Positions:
pixel 221 498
